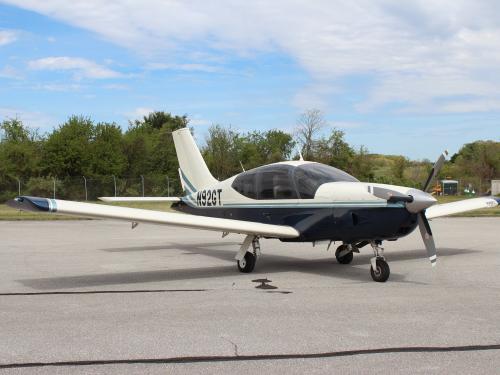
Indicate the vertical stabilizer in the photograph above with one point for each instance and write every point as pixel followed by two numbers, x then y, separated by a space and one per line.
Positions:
pixel 193 170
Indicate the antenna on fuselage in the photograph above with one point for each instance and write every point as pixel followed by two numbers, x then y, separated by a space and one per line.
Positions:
pixel 243 168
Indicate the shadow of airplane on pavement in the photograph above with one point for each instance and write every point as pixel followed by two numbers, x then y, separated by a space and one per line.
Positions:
pixel 270 264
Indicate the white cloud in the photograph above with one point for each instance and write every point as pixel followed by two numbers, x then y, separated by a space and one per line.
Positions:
pixel 33 119
pixel 7 36
pixel 83 68
pixel 198 121
pixel 415 52
pixel 10 72
pixel 138 113
pixel 193 67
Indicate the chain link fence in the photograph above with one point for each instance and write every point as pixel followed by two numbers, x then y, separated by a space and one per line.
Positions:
pixel 89 189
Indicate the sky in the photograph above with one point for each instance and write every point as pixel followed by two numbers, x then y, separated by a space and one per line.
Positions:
pixel 410 78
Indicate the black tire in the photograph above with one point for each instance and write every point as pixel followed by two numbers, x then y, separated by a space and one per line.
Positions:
pixel 381 274
pixel 345 259
pixel 247 264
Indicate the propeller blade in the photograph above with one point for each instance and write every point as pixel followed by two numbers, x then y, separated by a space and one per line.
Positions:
pixel 435 169
pixel 425 231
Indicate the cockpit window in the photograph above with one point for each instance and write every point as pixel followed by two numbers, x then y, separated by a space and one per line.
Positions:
pixel 267 182
pixel 245 184
pixel 309 177
pixel 282 181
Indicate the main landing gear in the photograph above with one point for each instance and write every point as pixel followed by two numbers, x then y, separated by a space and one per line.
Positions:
pixel 344 253
pixel 245 259
pixel 379 270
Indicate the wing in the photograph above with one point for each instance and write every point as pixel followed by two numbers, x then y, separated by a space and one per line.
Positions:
pixel 461 206
pixel 140 199
pixel 153 217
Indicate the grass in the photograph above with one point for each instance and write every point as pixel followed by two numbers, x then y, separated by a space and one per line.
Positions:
pixel 7 213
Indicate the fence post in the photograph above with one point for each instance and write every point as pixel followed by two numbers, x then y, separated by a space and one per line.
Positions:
pixel 18 186
pixel 85 184
pixel 168 186
pixel 114 182
pixel 54 179
pixel 142 182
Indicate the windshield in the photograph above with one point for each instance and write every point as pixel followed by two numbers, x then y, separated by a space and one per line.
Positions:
pixel 309 177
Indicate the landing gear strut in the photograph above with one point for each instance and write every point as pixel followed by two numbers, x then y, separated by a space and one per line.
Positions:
pixel 379 269
pixel 245 259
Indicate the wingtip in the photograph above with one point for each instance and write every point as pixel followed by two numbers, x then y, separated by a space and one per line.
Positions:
pixel 35 204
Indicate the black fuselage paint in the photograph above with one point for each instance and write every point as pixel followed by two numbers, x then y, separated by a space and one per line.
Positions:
pixel 349 224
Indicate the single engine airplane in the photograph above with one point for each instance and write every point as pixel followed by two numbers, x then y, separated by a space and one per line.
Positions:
pixel 295 201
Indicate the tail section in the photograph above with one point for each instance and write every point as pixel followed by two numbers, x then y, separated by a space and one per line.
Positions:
pixel 193 170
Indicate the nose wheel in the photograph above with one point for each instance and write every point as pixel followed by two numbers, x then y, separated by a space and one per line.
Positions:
pixel 379 269
pixel 381 272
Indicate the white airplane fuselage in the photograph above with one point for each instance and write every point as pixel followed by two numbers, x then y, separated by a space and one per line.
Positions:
pixel 287 193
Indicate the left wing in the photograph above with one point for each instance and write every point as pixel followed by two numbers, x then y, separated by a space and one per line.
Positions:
pixel 446 209
pixel 153 217
pixel 140 199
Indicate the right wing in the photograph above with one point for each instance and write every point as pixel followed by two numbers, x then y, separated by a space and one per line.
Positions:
pixel 446 209
pixel 152 217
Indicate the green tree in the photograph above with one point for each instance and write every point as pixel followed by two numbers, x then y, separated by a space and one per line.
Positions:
pixel 106 148
pixel 362 165
pixel 258 148
pixel 67 151
pixel 478 162
pixel 398 168
pixel 334 151
pixel 222 151
pixel 149 144
pixel 19 150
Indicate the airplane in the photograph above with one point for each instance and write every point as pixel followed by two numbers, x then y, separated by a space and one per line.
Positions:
pixel 293 201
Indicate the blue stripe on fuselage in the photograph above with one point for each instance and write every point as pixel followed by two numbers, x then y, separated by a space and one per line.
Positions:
pixel 187 182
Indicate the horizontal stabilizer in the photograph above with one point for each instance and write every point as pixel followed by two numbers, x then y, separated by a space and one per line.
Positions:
pixel 465 205
pixel 153 217
pixel 140 199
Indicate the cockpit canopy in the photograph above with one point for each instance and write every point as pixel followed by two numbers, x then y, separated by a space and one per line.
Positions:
pixel 285 181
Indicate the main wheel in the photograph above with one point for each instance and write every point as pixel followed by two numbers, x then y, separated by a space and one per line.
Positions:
pixel 247 264
pixel 381 274
pixel 346 258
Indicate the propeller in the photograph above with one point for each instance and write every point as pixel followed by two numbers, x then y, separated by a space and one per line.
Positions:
pixel 423 223
pixel 435 169
pixel 426 232
pixel 416 202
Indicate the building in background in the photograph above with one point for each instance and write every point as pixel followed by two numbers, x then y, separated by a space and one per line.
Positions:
pixel 449 187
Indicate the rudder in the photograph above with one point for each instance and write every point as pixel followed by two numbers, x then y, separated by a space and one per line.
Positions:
pixel 193 170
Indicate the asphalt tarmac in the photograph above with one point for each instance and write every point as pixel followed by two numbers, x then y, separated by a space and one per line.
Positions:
pixel 92 297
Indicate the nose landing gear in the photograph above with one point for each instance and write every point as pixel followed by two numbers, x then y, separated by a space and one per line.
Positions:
pixel 379 269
